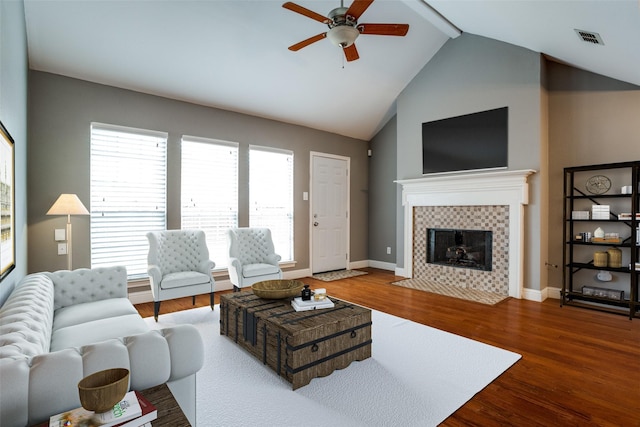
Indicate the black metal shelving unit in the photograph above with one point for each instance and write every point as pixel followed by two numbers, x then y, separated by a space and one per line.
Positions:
pixel 576 255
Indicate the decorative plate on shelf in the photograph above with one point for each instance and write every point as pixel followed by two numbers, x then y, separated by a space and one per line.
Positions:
pixel 598 184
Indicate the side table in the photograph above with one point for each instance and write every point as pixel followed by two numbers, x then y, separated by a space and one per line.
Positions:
pixel 169 412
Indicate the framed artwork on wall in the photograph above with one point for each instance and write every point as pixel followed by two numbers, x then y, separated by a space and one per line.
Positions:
pixel 7 203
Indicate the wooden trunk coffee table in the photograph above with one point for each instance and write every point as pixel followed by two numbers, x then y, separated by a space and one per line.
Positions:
pixel 298 345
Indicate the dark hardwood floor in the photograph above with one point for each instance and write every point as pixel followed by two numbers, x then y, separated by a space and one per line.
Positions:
pixel 579 367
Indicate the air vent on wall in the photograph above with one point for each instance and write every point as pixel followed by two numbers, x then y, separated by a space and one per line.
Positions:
pixel 589 37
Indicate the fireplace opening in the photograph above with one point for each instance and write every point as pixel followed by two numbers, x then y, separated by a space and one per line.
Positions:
pixel 460 248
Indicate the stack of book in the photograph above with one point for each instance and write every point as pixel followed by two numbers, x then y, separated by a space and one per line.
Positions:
pixel 300 305
pixel 600 212
pixel 579 214
pixel 134 410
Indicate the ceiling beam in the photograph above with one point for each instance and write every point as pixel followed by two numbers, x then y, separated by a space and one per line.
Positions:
pixel 435 18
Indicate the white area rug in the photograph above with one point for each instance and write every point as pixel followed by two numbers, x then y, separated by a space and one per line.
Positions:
pixel 417 376
pixel 337 275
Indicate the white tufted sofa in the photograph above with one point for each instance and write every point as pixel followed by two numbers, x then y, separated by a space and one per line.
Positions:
pixel 252 257
pixel 56 328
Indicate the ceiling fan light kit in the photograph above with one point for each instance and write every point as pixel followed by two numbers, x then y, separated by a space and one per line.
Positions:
pixel 344 28
pixel 343 35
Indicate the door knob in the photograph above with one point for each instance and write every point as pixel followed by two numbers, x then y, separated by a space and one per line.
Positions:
pixel 315 224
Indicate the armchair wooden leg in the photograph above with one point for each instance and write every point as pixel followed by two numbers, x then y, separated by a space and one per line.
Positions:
pixel 193 300
pixel 211 300
pixel 156 309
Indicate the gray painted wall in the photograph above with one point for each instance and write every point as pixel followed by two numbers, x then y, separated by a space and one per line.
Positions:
pixel 13 113
pixel 469 74
pixel 61 110
pixel 382 198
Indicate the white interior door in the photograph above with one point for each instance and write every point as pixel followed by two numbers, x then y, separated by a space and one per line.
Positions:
pixel 329 212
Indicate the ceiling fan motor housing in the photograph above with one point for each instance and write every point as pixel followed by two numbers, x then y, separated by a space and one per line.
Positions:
pixel 342 28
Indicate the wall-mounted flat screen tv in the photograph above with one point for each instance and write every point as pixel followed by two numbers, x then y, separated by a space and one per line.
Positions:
pixel 469 142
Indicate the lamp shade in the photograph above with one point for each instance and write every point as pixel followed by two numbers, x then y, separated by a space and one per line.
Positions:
pixel 68 204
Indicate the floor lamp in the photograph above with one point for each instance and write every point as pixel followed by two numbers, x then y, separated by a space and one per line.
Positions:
pixel 68 204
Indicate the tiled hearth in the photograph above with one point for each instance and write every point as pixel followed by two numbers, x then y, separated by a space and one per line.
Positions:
pixel 492 201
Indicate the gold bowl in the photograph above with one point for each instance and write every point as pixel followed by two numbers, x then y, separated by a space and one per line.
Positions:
pixel 100 391
pixel 277 289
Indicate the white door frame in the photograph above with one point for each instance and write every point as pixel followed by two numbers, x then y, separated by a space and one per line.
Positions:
pixel 312 155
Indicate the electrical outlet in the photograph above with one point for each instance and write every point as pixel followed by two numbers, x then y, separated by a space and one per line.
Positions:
pixel 388 250
pixel 62 248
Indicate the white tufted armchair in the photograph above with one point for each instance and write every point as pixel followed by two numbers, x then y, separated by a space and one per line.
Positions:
pixel 179 266
pixel 252 257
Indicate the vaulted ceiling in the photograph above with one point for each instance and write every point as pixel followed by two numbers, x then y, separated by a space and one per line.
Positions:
pixel 232 54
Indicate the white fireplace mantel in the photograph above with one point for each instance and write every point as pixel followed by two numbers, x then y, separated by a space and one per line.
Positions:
pixel 472 189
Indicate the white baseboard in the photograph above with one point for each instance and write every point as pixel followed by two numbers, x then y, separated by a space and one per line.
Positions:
pixel 382 265
pixel 539 296
pixel 358 264
pixel 140 297
pixel 296 274
pixel 534 295
pixel 555 293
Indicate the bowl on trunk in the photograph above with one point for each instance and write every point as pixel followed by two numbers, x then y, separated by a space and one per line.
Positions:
pixel 277 289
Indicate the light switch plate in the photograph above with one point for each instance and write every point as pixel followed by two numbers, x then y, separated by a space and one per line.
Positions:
pixel 59 234
pixel 62 248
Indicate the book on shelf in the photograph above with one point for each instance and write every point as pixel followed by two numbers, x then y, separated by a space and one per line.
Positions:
pixel 127 409
pixel 149 413
pixel 627 216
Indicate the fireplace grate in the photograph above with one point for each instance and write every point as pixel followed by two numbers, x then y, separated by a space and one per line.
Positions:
pixel 460 248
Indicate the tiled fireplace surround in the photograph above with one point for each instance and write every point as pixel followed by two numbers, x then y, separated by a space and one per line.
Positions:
pixel 492 201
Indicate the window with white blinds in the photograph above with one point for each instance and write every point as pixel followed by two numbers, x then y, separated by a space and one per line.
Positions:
pixel 128 194
pixel 209 189
pixel 271 195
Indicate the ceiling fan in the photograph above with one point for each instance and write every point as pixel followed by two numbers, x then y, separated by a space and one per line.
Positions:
pixel 344 28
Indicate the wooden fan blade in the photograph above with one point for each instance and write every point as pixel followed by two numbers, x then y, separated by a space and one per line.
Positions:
pixel 351 53
pixel 307 42
pixel 358 7
pixel 384 29
pixel 306 12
